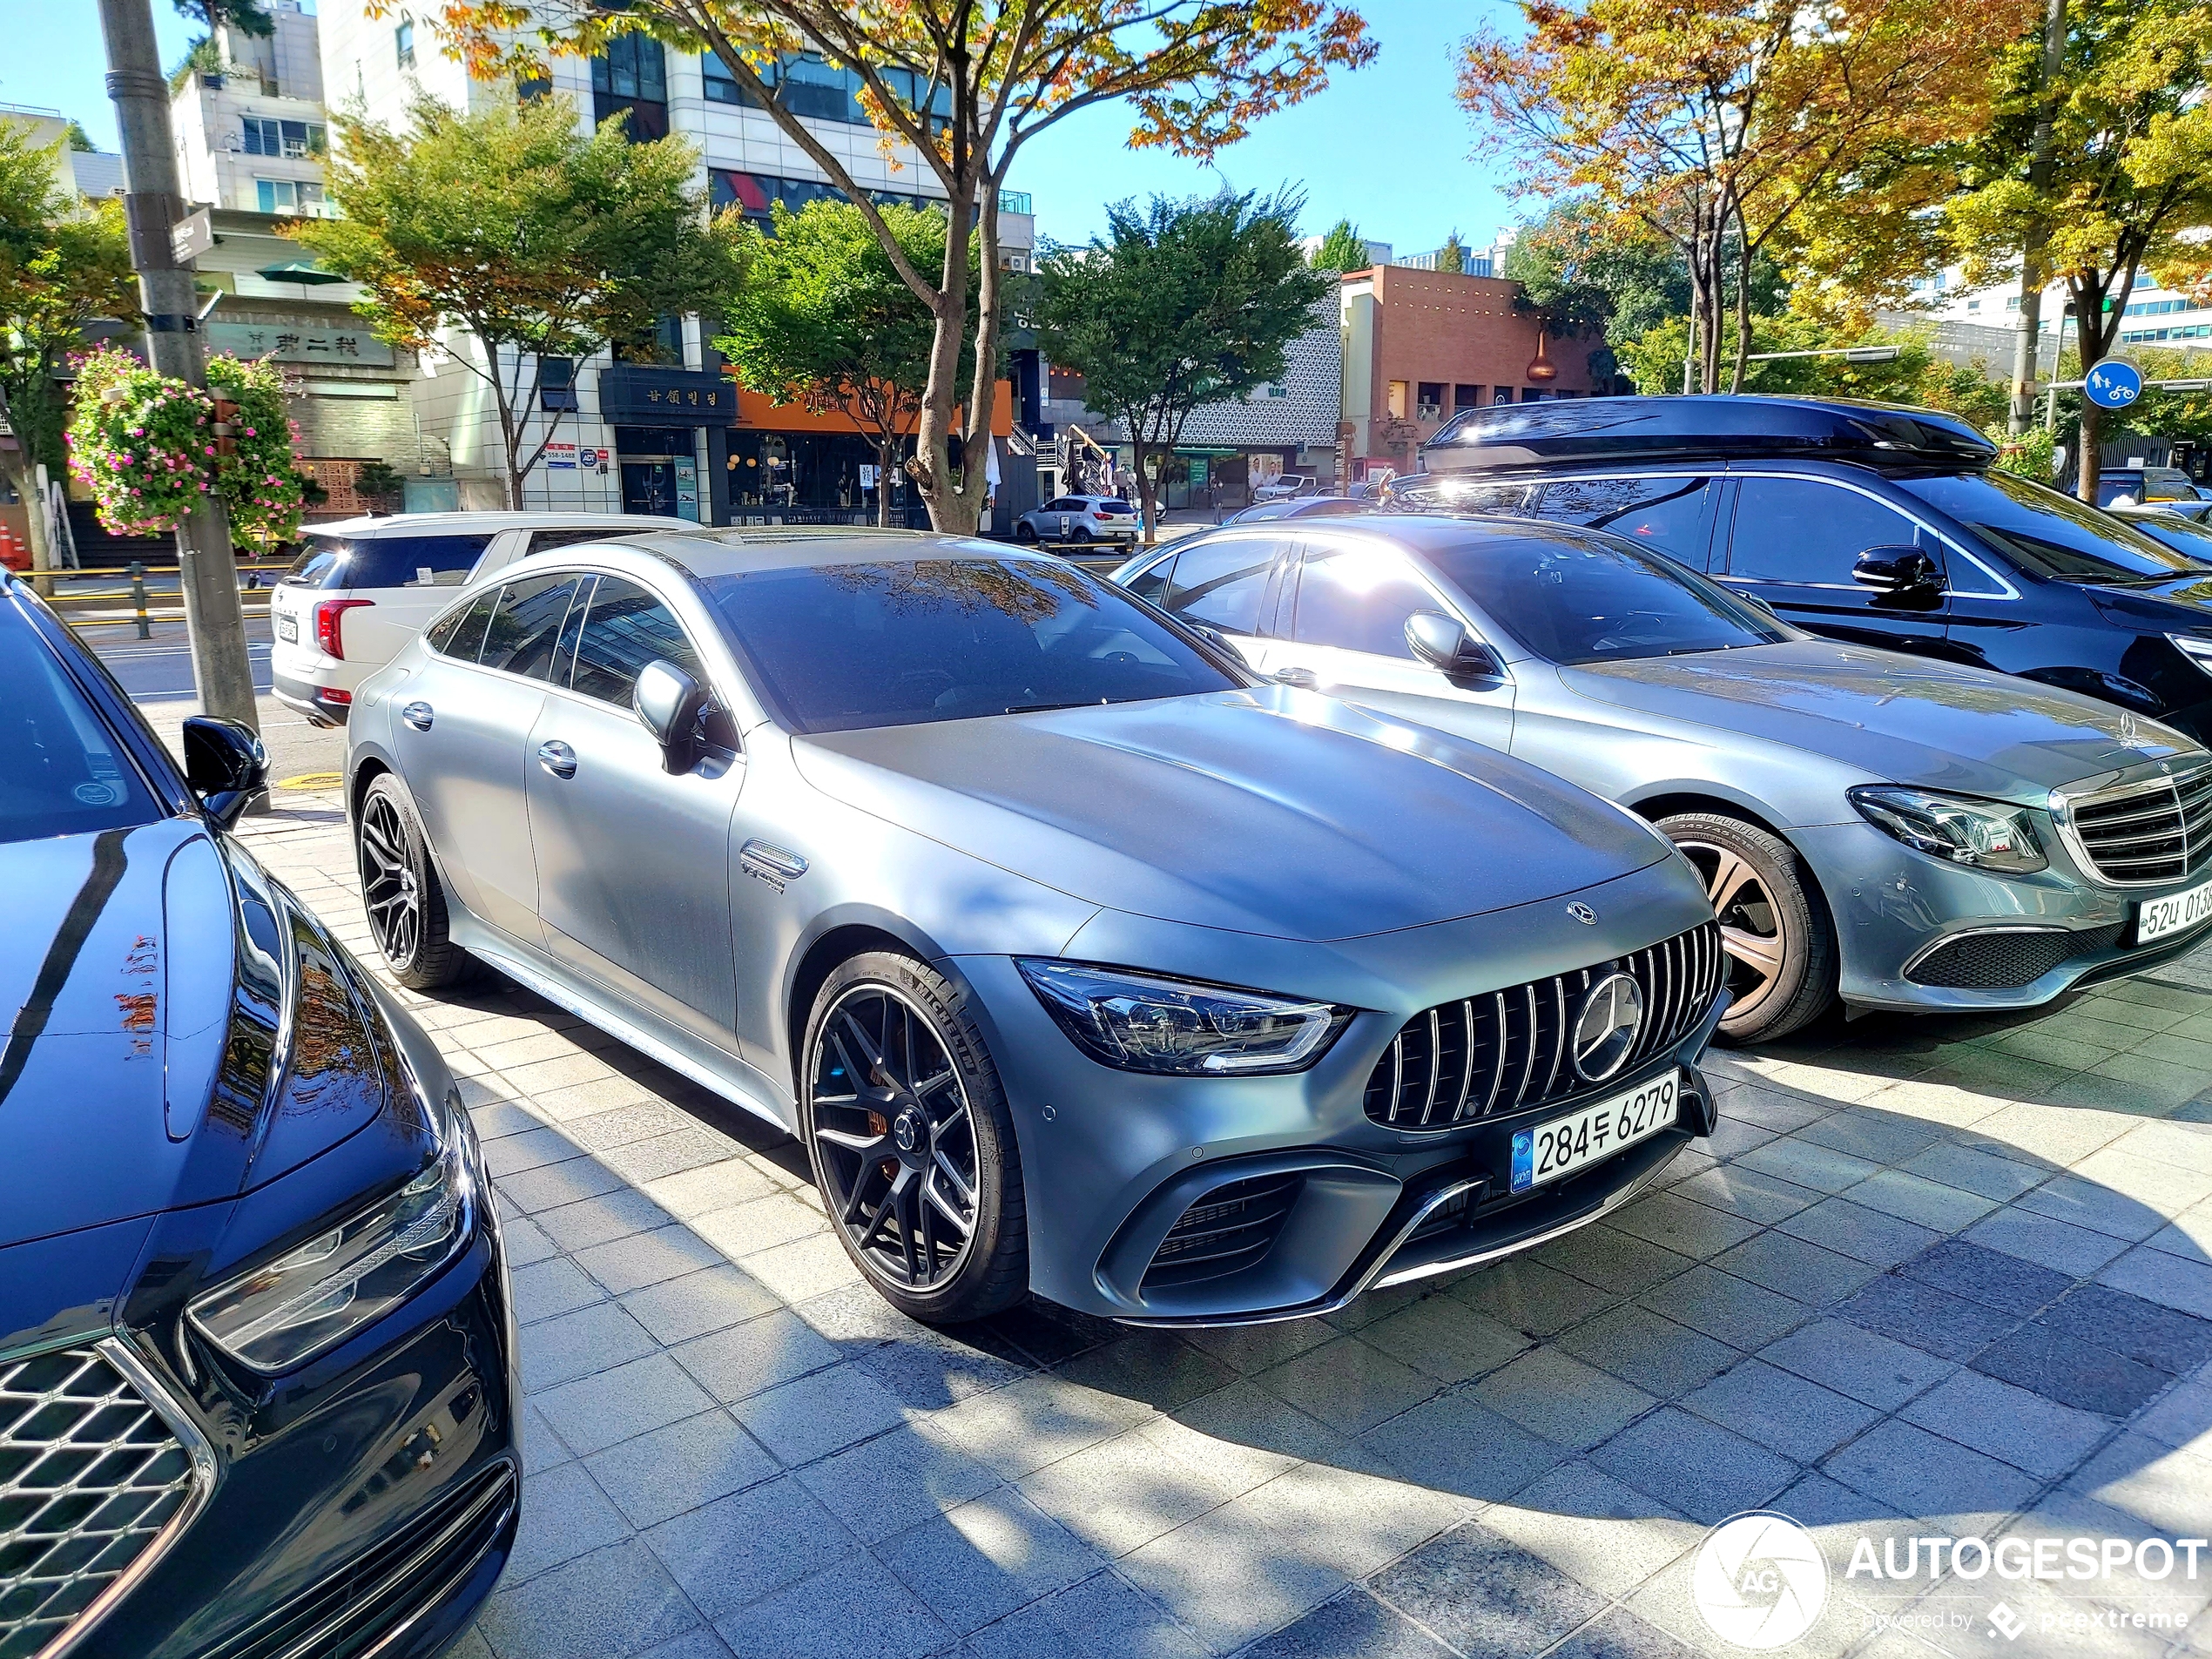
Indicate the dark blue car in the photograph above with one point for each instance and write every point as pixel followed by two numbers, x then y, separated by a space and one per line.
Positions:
pixel 1862 522
pixel 257 1384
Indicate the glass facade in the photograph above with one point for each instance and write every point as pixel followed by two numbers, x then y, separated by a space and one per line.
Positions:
pixel 631 76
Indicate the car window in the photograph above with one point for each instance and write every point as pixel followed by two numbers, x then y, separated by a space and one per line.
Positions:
pixel 1356 596
pixel 1112 505
pixel 1223 583
pixel 1449 492
pixel 541 540
pixel 1058 505
pixel 1806 530
pixel 624 629
pixel 2051 534
pixel 2189 537
pixel 1669 513
pixel 387 561
pixel 61 771
pixel 526 624
pixel 1582 598
pixel 460 632
pixel 842 647
pixel 1152 583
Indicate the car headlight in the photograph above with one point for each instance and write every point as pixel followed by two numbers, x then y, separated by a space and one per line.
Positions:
pixel 312 1297
pixel 2197 651
pixel 1986 834
pixel 1143 1023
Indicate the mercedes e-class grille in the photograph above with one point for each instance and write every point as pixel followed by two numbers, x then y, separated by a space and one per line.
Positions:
pixel 1504 1050
pixel 2158 831
pixel 91 1476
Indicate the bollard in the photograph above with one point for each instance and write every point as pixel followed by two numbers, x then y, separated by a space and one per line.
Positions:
pixel 139 597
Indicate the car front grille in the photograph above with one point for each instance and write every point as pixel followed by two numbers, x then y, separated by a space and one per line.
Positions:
pixel 2159 831
pixel 1224 1229
pixel 91 1477
pixel 2007 959
pixel 1504 1050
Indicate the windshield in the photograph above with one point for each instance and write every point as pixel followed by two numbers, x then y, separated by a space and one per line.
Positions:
pixel 387 561
pixel 60 771
pixel 836 648
pixel 2050 534
pixel 1596 598
pixel 2190 537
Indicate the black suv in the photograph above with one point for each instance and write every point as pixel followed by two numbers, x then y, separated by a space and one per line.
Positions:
pixel 1861 521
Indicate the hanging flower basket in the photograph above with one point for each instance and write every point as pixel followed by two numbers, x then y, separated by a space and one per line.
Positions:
pixel 144 444
pixel 263 489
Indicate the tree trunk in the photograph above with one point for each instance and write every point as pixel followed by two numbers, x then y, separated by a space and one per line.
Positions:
pixel 2089 339
pixel 951 510
pixel 887 458
pixel 1148 493
pixel 2027 344
pixel 1742 310
pixel 511 430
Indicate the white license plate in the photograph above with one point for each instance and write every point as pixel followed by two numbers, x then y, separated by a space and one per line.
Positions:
pixel 1564 1145
pixel 2155 917
pixel 287 626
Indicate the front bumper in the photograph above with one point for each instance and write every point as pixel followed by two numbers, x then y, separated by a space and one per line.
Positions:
pixel 1917 934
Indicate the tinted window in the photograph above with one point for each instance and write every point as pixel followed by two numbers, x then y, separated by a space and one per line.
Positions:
pixel 1356 597
pixel 904 643
pixel 625 629
pixel 387 561
pixel 1589 599
pixel 60 771
pixel 2188 536
pixel 1060 504
pixel 1110 505
pixel 1458 493
pixel 526 626
pixel 1222 583
pixel 2052 535
pixel 540 540
pixel 1665 512
pixel 460 632
pixel 1153 583
pixel 1803 530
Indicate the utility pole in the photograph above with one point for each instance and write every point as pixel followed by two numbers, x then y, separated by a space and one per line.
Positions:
pixel 206 567
pixel 2027 339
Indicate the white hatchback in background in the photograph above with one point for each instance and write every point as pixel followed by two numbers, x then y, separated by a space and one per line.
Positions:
pixel 1282 487
pixel 363 587
pixel 1078 518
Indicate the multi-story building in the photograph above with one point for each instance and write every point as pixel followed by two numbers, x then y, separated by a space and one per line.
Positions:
pixel 2154 316
pixel 654 425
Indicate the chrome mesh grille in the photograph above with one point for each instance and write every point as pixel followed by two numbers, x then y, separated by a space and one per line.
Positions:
pixel 1504 1050
pixel 90 1476
pixel 2159 831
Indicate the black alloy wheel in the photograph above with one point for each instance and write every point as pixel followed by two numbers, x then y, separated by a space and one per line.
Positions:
pixel 400 890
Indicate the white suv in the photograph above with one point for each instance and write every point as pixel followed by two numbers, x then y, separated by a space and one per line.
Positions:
pixel 1078 518
pixel 364 587
pixel 1282 487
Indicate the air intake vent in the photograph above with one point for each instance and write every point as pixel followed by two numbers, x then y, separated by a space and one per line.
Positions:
pixel 1504 1050
pixel 2147 833
pixel 1229 1228
pixel 2005 961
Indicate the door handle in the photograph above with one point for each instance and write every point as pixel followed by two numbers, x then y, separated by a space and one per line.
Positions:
pixel 417 715
pixel 1305 679
pixel 557 759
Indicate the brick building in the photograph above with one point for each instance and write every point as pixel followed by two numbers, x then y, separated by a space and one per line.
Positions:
pixel 1419 346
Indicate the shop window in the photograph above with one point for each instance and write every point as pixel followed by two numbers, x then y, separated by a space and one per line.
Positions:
pixel 1399 397
pixel 1466 397
pixel 1430 404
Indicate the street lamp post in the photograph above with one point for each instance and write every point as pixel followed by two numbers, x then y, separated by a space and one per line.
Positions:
pixel 207 568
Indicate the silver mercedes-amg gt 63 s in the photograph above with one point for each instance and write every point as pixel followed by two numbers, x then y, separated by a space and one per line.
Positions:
pixel 1081 960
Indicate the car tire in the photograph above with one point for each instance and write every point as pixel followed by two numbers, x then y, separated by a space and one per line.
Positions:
pixel 936 1164
pixel 401 893
pixel 1781 946
pixel 1080 534
pixel 1025 533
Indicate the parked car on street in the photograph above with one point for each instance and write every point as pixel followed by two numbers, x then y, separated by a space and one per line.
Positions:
pixel 1299 506
pixel 1282 487
pixel 1081 960
pixel 1079 518
pixel 2140 486
pixel 1903 832
pixel 1864 521
pixel 363 587
pixel 258 1392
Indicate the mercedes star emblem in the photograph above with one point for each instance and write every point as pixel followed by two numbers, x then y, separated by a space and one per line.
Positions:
pixel 1582 914
pixel 1606 1028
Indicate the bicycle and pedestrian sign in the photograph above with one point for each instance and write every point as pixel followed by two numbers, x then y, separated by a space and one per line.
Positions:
pixel 2112 385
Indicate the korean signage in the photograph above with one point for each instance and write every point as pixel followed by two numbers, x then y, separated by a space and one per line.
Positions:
pixel 560 457
pixel 300 342
pixel 630 395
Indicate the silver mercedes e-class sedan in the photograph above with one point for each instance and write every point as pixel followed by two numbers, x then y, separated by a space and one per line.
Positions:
pixel 1081 960
pixel 1896 830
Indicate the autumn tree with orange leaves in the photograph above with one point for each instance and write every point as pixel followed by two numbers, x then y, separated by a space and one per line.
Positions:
pixel 967 83
pixel 1719 124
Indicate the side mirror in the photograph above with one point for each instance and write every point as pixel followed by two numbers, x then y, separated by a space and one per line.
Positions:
pixel 669 701
pixel 226 765
pixel 1903 572
pixel 1443 642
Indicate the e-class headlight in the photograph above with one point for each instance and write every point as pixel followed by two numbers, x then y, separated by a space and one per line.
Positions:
pixel 1143 1023
pixel 1986 834
pixel 312 1298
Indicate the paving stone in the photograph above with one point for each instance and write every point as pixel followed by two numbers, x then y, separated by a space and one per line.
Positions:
pixel 678 1309
pixel 2181 1417
pixel 1655 1354
pixel 927 1374
pixel 575 1345
pixel 1615 1261
pixel 1857 1362
pixel 2024 1429
pixel 551 1185
pixel 1993 1277
pixel 1596 1529
pixel 739 1547
pixel 709 1187
pixel 1682 1225
pixel 2072 1372
pixel 542 1447
pixel 1455 1443
pixel 595 1412
pixel 1910 1311
pixel 2072 1251
pixel 638 1259
pixel 1794 1268
pixel 1862 1234
pixel 1807 1163
pixel 1746 1194
pixel 624 1125
pixel 1694 1465
pixel 981 1559
pixel 1915 1198
pixel 1229 1579
pixel 1560 1397
pixel 1484 1594
pixel 594 1221
pixel 1031 1423
pixel 1970 1169
pixel 1155 1367
pixel 2082 1201
pixel 553 1286
pixel 1770 1108
pixel 1734 1310
pixel 1122 1493
pixel 1909 1468
pixel 654 1477
pixel 1780 1410
pixel 2161 1277
pixel 750 1359
pixel 689 1148
pixel 1525 1295
pixel 527 1148
pixel 1620 1635
pixel 525 1241
pixel 1250 1349
pixel 838 1613
pixel 565 1515
pixel 804 1268
pixel 609 1604
pixel 1354 1522
pixel 895 1482
pixel 2159 1484
pixel 1104 1616
pixel 2136 1328
pixel 818 1413
pixel 1442 1336
pixel 1348 1384
pixel 1879 1137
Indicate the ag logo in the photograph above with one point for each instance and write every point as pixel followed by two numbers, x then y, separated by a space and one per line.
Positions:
pixel 1760 1581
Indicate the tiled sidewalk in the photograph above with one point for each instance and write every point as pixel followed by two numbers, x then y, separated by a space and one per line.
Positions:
pixel 1935 1277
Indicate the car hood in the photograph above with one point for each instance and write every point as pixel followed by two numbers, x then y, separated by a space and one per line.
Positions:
pixel 178 1031
pixel 1899 718
pixel 1270 811
pixel 2181 604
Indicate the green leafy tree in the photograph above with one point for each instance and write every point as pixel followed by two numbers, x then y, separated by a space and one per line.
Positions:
pixel 1453 256
pixel 63 264
pixel 823 320
pixel 509 226
pixel 2127 187
pixel 1180 305
pixel 380 482
pixel 1342 249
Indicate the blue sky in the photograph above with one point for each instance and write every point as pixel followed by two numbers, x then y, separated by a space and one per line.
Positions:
pixel 1386 146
